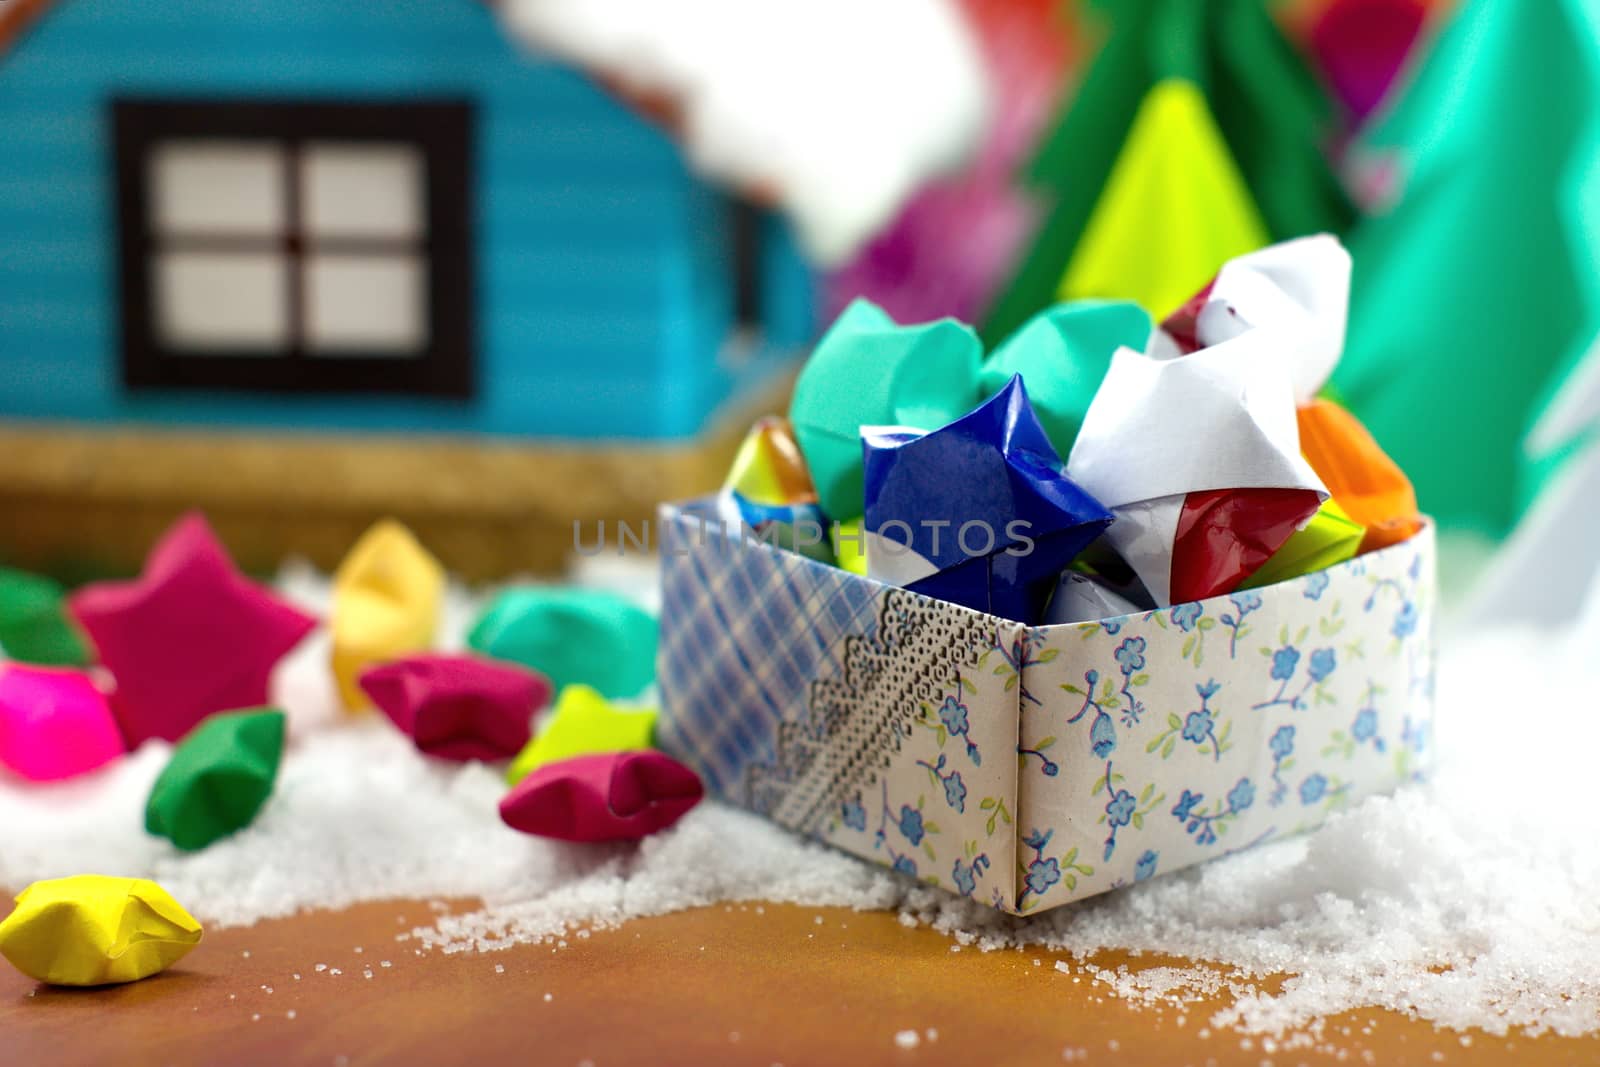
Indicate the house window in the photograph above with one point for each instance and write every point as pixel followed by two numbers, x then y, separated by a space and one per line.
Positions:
pixel 304 246
pixel 745 223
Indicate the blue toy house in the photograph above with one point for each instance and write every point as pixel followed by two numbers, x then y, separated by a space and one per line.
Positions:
pixel 346 219
pixel 585 284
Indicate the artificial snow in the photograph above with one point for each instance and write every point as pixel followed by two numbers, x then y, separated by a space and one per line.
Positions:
pixel 1468 901
pixel 837 108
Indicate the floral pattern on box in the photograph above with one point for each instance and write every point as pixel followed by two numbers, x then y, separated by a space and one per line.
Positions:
pixel 1031 766
pixel 1160 740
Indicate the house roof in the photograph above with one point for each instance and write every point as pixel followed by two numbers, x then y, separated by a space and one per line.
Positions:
pixel 14 18
pixel 840 109
pixel 834 110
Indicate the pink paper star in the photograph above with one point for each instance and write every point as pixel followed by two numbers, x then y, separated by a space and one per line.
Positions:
pixel 54 723
pixel 190 637
pixel 459 707
pixel 610 796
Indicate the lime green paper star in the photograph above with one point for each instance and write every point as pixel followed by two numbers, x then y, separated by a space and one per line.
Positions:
pixel 1330 538
pixel 584 723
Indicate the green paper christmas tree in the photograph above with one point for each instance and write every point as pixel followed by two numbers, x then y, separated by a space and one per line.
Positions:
pixel 1174 209
pixel 1474 295
pixel 1274 118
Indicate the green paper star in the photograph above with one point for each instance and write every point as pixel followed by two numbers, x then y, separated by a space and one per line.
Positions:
pixel 34 627
pixel 218 778
pixel 572 636
pixel 1062 355
pixel 870 371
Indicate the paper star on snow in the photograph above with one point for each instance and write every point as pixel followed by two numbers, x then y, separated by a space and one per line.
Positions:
pixel 458 707
pixel 584 723
pixel 607 796
pixel 190 637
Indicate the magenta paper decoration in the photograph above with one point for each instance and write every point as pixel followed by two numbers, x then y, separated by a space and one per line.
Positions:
pixel 615 796
pixel 54 724
pixel 956 242
pixel 459 707
pixel 1362 46
pixel 190 637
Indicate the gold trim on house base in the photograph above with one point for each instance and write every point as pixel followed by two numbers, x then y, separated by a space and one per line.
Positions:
pixel 76 498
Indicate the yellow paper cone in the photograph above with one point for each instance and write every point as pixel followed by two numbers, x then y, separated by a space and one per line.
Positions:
pixel 1173 210
pixel 386 597
pixel 95 930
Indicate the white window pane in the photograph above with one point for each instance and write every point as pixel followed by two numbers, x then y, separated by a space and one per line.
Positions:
pixel 374 304
pixel 362 190
pixel 217 187
pixel 222 300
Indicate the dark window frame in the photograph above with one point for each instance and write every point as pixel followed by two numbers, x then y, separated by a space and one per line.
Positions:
pixel 747 254
pixel 441 129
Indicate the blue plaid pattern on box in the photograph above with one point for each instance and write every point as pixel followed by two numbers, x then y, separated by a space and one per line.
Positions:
pixel 1027 767
pixel 742 637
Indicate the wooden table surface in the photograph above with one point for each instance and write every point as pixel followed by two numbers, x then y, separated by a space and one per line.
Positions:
pixel 746 984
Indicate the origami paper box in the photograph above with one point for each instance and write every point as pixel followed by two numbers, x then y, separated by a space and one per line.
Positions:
pixel 1027 767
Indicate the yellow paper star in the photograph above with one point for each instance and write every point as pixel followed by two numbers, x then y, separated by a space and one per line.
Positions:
pixel 386 597
pixel 584 723
pixel 768 468
pixel 95 930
